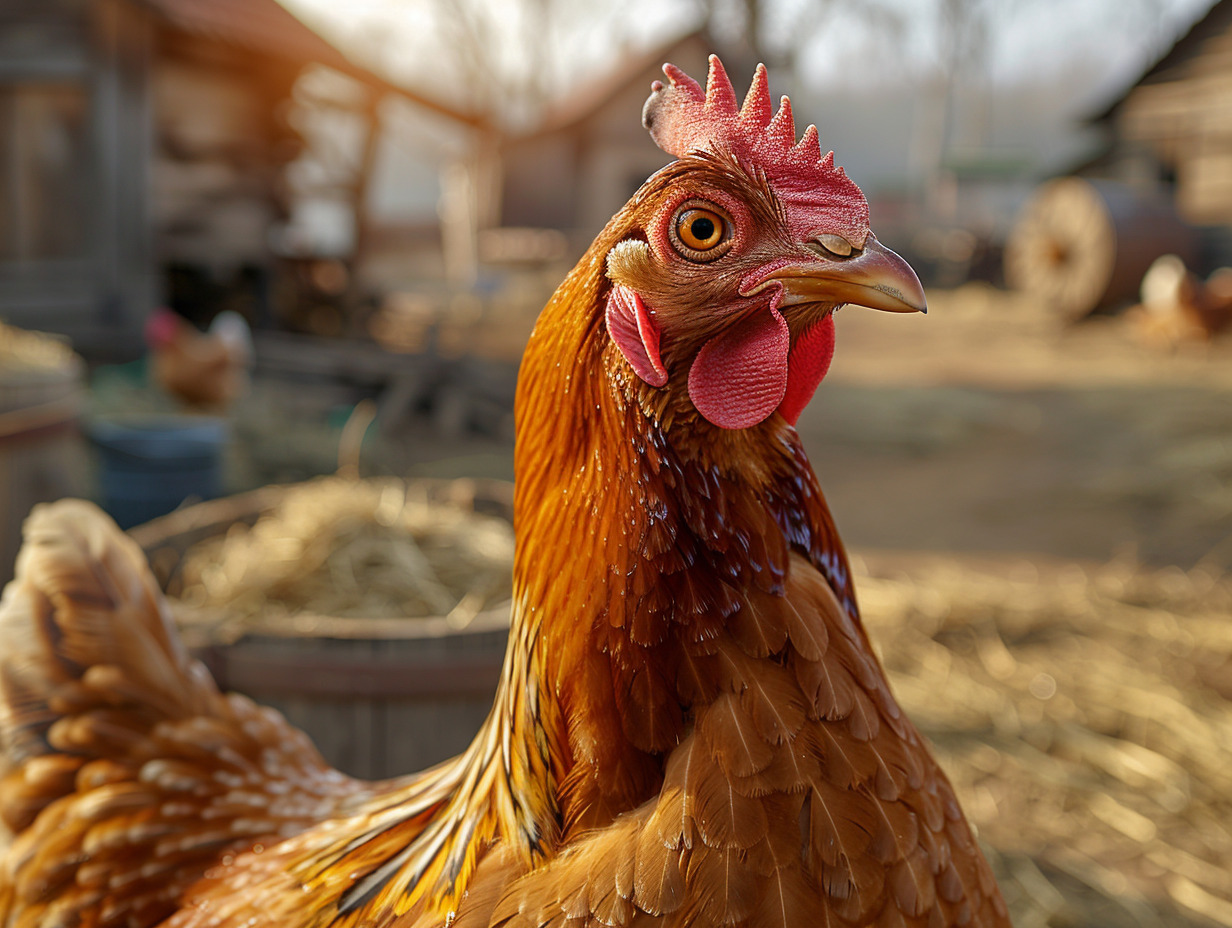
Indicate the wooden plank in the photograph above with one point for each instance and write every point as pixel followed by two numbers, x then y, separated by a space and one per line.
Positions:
pixel 37 466
pixel 332 674
pixel 123 140
pixel 1204 191
pixel 373 708
pixel 62 67
pixel 32 421
pixel 361 361
pixel 416 735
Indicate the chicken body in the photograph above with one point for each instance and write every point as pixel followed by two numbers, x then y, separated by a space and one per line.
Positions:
pixel 691 728
pixel 203 370
pixel 1179 306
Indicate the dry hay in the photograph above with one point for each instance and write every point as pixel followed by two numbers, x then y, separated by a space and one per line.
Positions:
pixel 21 350
pixel 337 547
pixel 1085 717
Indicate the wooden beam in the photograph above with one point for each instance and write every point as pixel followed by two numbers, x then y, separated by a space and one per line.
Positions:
pixel 259 672
pixel 363 182
pixel 123 142
pixel 66 67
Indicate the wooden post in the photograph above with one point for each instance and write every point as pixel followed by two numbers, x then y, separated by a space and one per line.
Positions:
pixel 123 136
pixel 363 173
pixel 470 201
pixel 459 232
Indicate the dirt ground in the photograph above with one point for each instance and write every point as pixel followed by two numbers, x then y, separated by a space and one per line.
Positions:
pixel 989 427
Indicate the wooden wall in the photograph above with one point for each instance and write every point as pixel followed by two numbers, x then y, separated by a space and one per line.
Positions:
pixel 128 145
pixel 220 143
pixel 1183 115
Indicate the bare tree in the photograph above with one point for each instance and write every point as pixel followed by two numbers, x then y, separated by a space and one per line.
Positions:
pixel 496 61
pixel 504 59
pixel 777 31
pixel 968 33
pixel 963 31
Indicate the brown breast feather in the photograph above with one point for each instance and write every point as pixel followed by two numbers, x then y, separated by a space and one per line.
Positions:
pixel 801 796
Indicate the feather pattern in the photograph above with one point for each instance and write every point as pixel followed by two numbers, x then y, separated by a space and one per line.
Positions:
pixel 130 773
pixel 723 843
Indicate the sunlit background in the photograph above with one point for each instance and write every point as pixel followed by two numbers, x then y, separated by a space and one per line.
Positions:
pixel 265 243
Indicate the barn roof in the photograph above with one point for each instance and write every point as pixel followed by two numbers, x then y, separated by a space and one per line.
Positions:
pixel 269 28
pixel 1172 64
pixel 633 69
pixel 594 96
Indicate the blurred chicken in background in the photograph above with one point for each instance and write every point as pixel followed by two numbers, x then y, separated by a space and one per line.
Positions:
pixel 206 371
pixel 1177 305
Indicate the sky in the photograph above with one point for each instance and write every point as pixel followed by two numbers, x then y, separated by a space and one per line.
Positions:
pixel 1029 39
pixel 1106 42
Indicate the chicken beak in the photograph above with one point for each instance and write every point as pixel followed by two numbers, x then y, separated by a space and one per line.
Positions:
pixel 874 277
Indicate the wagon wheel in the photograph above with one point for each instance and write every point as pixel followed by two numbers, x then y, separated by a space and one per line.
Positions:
pixel 1062 248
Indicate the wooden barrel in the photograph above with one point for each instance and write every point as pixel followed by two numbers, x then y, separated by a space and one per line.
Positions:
pixel 42 454
pixel 379 696
pixel 1081 246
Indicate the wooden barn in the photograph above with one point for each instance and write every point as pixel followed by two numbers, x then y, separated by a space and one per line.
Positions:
pixel 144 147
pixel 1174 125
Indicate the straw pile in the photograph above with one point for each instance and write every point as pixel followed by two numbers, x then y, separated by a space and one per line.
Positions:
pixel 21 350
pixel 1085 717
pixel 348 548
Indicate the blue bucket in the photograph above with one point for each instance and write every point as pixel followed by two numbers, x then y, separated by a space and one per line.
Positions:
pixel 149 467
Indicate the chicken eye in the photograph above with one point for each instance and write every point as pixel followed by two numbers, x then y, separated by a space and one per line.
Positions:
pixel 700 233
pixel 700 229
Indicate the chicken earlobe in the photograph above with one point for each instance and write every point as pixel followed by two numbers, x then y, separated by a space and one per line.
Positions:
pixel 635 334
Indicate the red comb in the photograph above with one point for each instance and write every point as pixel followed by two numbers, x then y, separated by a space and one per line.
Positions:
pixel 683 118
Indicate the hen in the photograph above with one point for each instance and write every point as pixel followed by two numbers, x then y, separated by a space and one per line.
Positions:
pixel 691 727
pixel 203 370
pixel 1179 306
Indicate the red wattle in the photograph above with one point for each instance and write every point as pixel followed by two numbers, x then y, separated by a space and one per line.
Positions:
pixel 807 365
pixel 740 376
